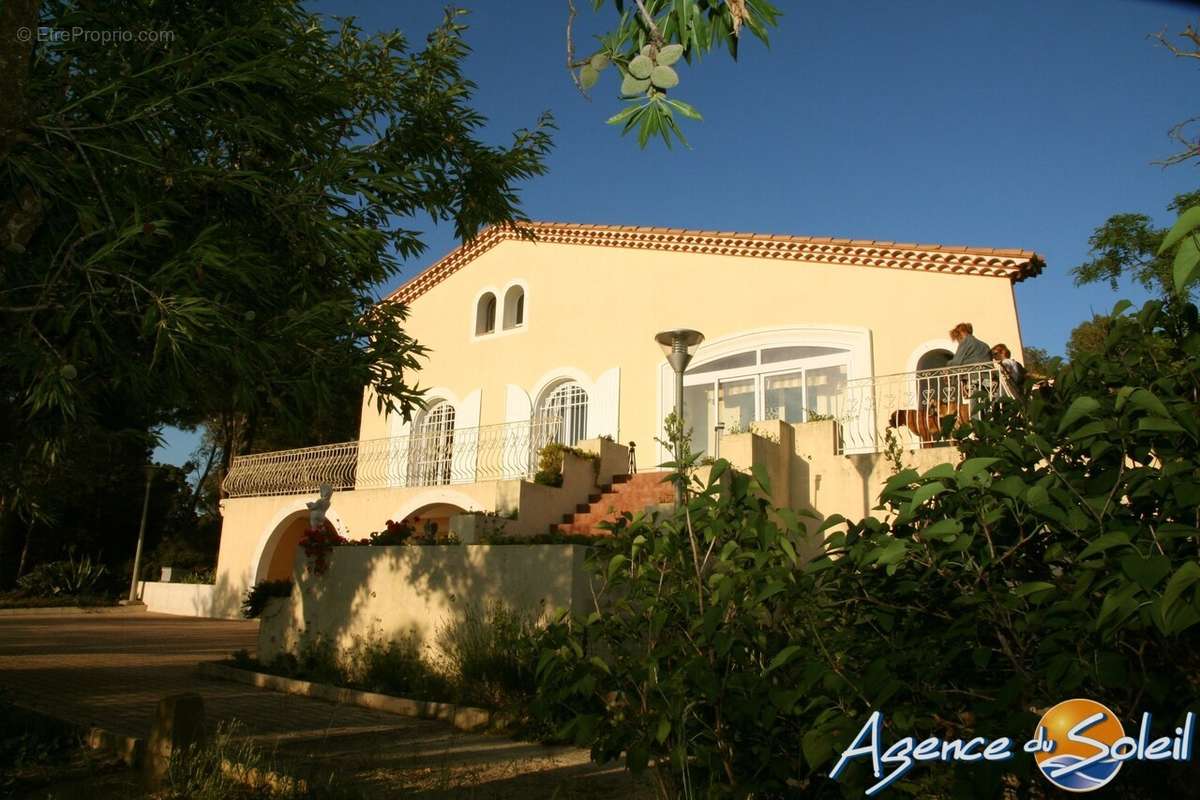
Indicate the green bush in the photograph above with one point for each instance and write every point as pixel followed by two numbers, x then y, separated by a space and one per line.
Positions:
pixel 257 597
pixel 1058 559
pixel 398 667
pixel 550 462
pixel 491 654
pixel 71 578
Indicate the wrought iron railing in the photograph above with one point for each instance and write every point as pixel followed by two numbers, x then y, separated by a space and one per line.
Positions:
pixel 914 405
pixel 462 455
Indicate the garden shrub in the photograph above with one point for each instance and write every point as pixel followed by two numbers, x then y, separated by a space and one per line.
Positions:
pixel 492 655
pixel 1057 559
pixel 550 462
pixel 260 594
pixel 72 577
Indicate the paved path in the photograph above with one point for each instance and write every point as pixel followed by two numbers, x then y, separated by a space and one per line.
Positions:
pixel 110 670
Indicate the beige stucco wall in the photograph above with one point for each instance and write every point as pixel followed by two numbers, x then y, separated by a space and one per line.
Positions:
pixel 253 528
pixel 590 310
pixel 384 592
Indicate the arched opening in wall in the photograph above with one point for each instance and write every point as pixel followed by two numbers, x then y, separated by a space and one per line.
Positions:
pixel 431 453
pixel 433 519
pixel 279 556
pixel 933 389
pixel 485 315
pixel 514 307
pixel 568 403
pixel 934 359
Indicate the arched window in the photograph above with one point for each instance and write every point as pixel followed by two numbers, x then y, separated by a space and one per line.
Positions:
pixel 567 402
pixel 934 388
pixel 514 307
pixel 432 453
pixel 485 315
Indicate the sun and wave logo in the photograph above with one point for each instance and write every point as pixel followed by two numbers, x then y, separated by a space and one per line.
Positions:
pixel 1080 736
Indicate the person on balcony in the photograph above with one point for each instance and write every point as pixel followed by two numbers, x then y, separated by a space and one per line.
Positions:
pixel 1012 372
pixel 968 350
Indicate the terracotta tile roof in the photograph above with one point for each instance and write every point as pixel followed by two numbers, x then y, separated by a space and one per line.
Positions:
pixel 1016 265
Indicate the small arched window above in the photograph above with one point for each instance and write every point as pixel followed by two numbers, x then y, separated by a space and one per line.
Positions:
pixel 514 307
pixel 485 315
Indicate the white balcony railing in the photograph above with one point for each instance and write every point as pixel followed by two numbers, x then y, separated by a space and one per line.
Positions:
pixel 462 455
pixel 913 404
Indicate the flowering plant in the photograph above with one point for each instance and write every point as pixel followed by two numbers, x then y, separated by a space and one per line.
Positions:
pixel 317 544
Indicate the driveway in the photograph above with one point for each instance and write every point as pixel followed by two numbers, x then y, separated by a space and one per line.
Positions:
pixel 111 669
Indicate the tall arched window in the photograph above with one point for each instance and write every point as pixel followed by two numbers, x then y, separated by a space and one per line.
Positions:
pixel 485 315
pixel 567 402
pixel 432 454
pixel 514 307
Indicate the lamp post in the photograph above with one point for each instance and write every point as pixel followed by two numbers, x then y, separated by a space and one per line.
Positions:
pixel 679 345
pixel 137 556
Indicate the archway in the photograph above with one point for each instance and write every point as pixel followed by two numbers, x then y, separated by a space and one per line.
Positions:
pixel 276 551
pixel 282 556
pixel 436 514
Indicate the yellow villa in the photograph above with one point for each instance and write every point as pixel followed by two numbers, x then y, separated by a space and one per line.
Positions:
pixel 813 349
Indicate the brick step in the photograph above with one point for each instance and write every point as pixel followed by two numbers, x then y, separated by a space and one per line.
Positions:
pixel 626 494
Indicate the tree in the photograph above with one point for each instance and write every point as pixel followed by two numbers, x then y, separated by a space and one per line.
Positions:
pixel 1088 336
pixel 1127 247
pixel 1040 364
pixel 646 46
pixel 195 227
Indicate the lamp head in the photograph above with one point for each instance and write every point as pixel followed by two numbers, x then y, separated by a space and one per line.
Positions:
pixel 679 345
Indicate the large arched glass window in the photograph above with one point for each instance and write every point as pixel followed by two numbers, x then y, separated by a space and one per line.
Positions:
pixel 567 402
pixel 432 454
pixel 795 383
pixel 485 315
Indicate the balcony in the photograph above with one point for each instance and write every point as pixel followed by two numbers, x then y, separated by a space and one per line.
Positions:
pixel 461 455
pixel 913 404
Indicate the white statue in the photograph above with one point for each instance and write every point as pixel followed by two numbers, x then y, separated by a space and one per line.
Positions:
pixel 317 508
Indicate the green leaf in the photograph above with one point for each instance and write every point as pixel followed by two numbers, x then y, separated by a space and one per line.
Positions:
pixel 1183 578
pixel 1081 407
pixel 664 730
pixel 1187 259
pixel 1105 542
pixel 1026 589
pixel 818 747
pixel 1147 572
pixel 973 466
pixel 1187 221
pixel 1147 401
pixel 943 529
pixel 1037 496
pixel 783 656
pixel 926 492
pixel 615 564
pixel 685 109
pixel 1159 425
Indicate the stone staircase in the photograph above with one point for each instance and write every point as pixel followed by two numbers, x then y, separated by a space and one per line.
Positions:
pixel 630 493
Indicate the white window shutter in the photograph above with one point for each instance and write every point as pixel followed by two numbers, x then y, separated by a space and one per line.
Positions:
pixel 604 405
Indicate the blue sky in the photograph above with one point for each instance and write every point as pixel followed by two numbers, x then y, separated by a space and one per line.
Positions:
pixel 1016 124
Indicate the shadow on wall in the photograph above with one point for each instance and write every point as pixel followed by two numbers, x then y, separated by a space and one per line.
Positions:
pixel 380 593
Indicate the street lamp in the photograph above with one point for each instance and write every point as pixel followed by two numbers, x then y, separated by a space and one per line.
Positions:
pixel 137 557
pixel 679 345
